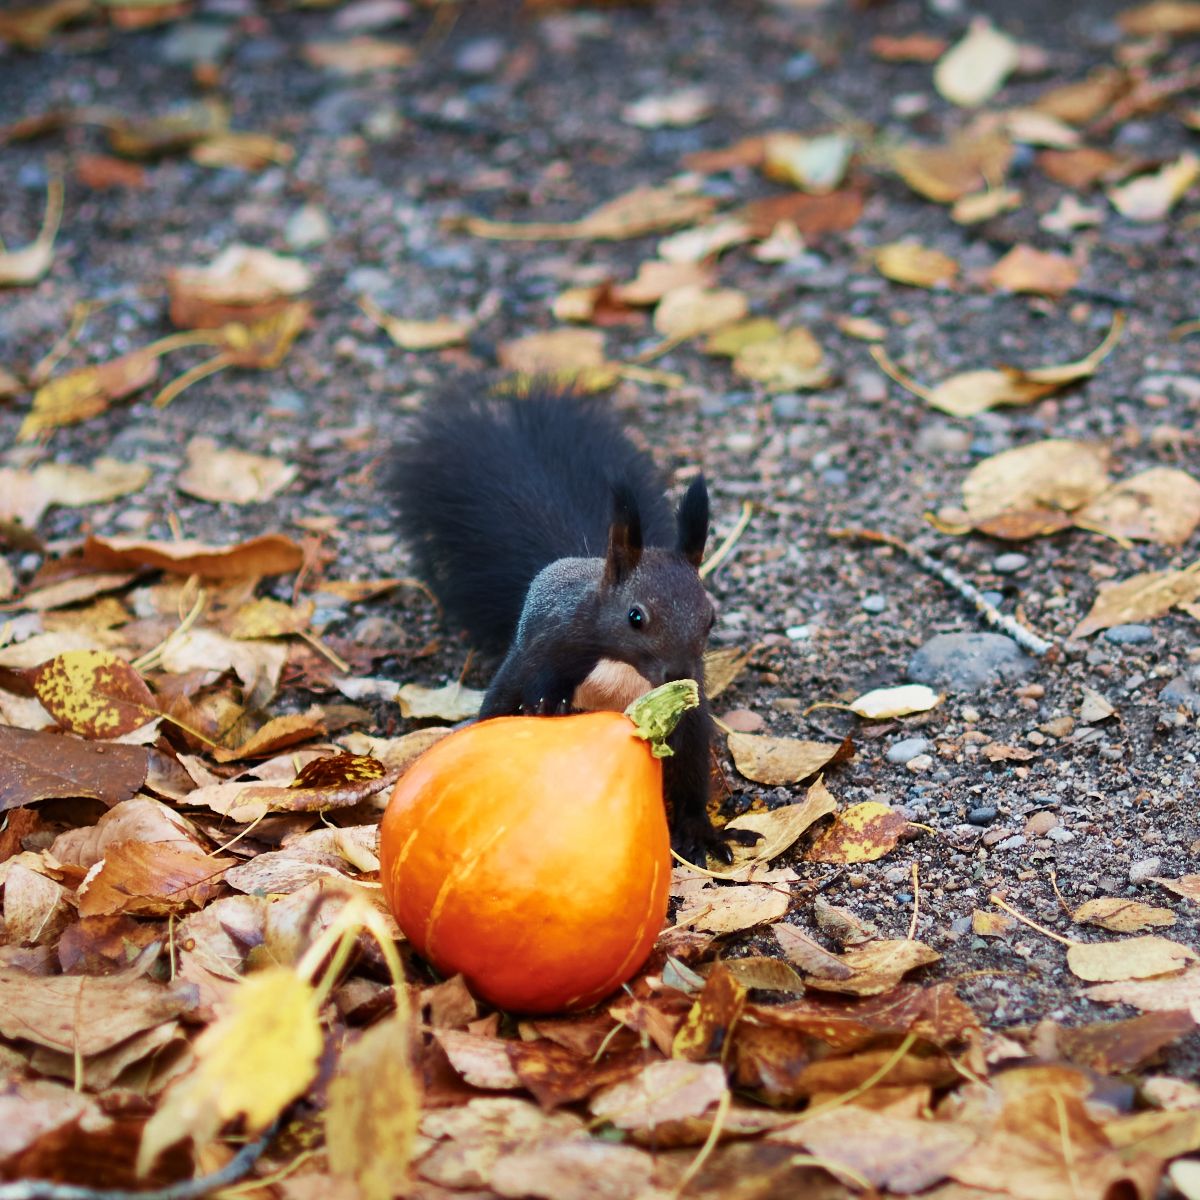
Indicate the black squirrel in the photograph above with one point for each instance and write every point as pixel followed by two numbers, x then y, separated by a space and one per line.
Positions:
pixel 545 533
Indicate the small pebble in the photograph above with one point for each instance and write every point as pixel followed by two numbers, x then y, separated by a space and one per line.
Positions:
pixel 908 749
pixel 923 762
pixel 835 476
pixel 995 599
pixel 874 603
pixel 1009 564
pixel 799 633
pixel 1129 635
pixel 196 42
pixel 1012 843
pixel 1145 869
pixel 480 57
pixel 306 227
pixel 1182 692
pixel 984 815
pixel 896 875
pixel 1060 835
pixel 970 714
pixel 1040 824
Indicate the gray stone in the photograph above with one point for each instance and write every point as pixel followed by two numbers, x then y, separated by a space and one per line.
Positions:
pixel 1182 692
pixel 1145 869
pixel 1009 564
pixel 196 42
pixel 307 227
pixel 480 57
pixel 909 748
pixel 985 814
pixel 1012 843
pixel 788 407
pixel 1060 835
pixel 1129 635
pixel 874 604
pixel 968 662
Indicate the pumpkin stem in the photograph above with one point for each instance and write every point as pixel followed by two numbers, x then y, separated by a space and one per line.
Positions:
pixel 656 714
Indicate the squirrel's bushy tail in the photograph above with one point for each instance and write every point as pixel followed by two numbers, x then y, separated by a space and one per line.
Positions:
pixel 490 489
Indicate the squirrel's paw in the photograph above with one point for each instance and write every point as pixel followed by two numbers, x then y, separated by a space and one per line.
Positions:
pixel 547 698
pixel 696 841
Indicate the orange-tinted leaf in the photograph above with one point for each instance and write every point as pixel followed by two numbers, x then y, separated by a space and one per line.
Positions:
pixel 88 391
pixel 41 766
pixel 270 554
pixel 151 879
pixel 863 833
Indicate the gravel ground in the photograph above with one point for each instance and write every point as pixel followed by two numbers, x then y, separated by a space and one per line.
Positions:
pixel 516 118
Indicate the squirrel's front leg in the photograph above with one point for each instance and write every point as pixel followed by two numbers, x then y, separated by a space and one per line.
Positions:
pixel 686 776
pixel 522 687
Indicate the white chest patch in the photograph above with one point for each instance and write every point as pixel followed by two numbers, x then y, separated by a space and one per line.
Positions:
pixel 611 686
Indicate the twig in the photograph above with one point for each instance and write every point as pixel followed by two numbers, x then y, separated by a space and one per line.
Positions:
pixel 722 552
pixel 1012 912
pixel 1025 638
pixel 916 878
pixel 186 1189
pixel 710 1144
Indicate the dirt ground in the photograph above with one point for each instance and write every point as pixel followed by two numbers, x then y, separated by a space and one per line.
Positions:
pixel 518 118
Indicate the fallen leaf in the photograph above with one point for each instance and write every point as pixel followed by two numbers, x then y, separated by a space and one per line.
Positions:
pixel 675 110
pixel 94 694
pixel 910 48
pixel 270 554
pixel 87 392
pixel 35 910
pixel 243 283
pixel 32 27
pixel 883 704
pixel 1165 993
pixel 1159 505
pixel 1187 886
pixel 1131 958
pixel 27 265
pixel 974 69
pixel 1085 99
pixel 662 1092
pixel 453 702
pixel 560 354
pixel 101 171
pixel 258 1056
pixel 776 761
pixel 1141 597
pixel 945 173
pixel 417 335
pixel 243 151
pixel 781 827
pixel 876 967
pixel 845 927
pixel 155 879
pixel 793 361
pixel 641 211
pixel 373 1109
pixel 916 265
pixel 986 923
pixel 1118 1047
pixel 1094 708
pixel 731 340
pixel 1034 489
pixel 154 136
pixel 862 833
pixel 690 311
pixel 1120 915
pixel 1151 197
pixel 723 666
pixel 656 277
pixel 813 164
pixel 983 206
pixel 1082 168
pixel 358 55
pixel 729 909
pixel 810 956
pixel 1041 273
pixel 1169 17
pixel 1030 127
pixel 231 476
pixel 712 1019
pixel 139 819
pixel 811 216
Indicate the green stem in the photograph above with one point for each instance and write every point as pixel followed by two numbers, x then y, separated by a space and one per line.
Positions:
pixel 656 714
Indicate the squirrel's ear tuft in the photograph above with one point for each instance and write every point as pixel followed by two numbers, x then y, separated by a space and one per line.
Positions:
pixel 691 521
pixel 624 536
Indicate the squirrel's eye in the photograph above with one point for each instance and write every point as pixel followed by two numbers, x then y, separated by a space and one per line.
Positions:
pixel 637 616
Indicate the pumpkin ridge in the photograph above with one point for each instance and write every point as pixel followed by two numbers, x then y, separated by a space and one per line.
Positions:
pixel 460 874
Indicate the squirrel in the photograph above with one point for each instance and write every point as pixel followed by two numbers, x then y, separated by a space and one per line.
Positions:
pixel 546 535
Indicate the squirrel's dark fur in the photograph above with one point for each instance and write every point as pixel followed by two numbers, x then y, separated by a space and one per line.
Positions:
pixel 545 534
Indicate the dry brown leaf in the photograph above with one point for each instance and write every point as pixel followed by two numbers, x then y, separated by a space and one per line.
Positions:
pixel 1085 99
pixel 660 1093
pixel 1120 915
pixel 974 69
pixel 1159 505
pixel 359 55
pixel 876 967
pixel 1033 489
pixel 35 909
pixel 729 909
pixel 30 263
pixel 1141 597
pixel 793 361
pixel 916 265
pixel 270 554
pixel 154 879
pixel 655 278
pixel 776 761
pixel 265 617
pixel 1187 886
pixel 781 827
pixel 641 211
pixel 243 151
pixel 809 215
pixel 139 819
pixel 986 923
pixel 983 206
pixel 94 694
pixel 1082 168
pixel 1169 17
pixel 243 283
pixel 676 110
pixel 31 27
pixel 231 476
pixel 417 335
pixel 690 311
pixel 558 353
pixel 722 667
pixel 1165 993
pixel 1042 273
pixel 909 48
pixel 862 833
pixel 948 172
pixel 1132 958
pixel 154 136
pixel 453 702
pixel 1151 197
pixel 87 392
pixel 810 956
pixel 311 856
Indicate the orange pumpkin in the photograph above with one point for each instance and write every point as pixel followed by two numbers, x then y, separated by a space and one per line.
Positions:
pixel 532 855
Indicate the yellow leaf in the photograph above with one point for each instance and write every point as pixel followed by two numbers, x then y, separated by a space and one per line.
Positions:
pixel 863 833
pixel 781 827
pixel 1120 915
pixel 417 335
pixel 31 262
pixel 1151 197
pixel 972 71
pixel 1141 597
pixel 1159 505
pixel 780 760
pixel 882 704
pixel 791 362
pixel 692 310
pixel 1038 272
pixel 1130 958
pixel 256 1058
pixel 373 1108
pixel 914 264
